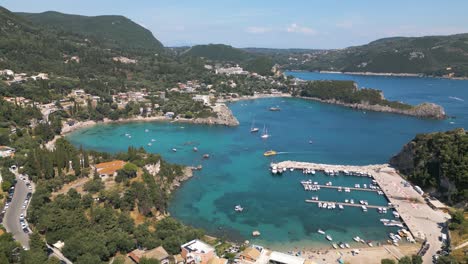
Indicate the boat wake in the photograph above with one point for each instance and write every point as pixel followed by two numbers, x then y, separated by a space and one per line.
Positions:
pixel 456 98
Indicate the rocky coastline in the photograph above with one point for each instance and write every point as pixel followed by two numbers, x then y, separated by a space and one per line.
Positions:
pixel 424 110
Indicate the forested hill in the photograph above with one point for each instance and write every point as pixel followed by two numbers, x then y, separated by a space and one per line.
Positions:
pixel 431 55
pixel 112 31
pixel 438 163
pixel 217 52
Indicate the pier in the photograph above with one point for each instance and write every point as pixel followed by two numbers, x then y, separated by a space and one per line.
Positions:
pixel 349 204
pixel 342 188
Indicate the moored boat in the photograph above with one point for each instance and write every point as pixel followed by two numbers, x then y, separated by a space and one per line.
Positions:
pixel 320 231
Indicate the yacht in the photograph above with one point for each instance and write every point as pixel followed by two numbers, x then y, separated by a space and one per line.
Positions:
pixel 253 129
pixel 265 133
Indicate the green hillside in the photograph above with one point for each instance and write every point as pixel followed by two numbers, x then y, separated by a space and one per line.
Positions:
pixel 217 52
pixel 438 163
pixel 432 55
pixel 114 31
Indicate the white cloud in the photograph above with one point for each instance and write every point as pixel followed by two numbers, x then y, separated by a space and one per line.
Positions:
pixel 258 30
pixel 295 28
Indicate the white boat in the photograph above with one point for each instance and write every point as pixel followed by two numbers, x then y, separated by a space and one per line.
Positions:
pixel 265 133
pixel 346 200
pixel 351 201
pixel 174 150
pixel 238 208
pixel 341 206
pixel 253 129
pixel 383 220
pixel 195 149
pixel 364 208
pixel 357 239
pixel 329 238
pixel 370 244
pixel 396 214
pixel 334 246
pixel 342 245
pixel 347 245
pixel 146 130
pixel 320 231
pixel 149 144
pixel 320 205
pixel 153 140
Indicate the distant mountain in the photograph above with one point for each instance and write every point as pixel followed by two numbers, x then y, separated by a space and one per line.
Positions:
pixel 217 52
pixel 432 55
pixel 112 31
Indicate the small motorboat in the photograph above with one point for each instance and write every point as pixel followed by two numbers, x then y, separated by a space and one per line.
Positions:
pixel 269 153
pixel 320 231
pixel 206 156
pixel 357 239
pixel 329 238
pixel 149 144
pixel 146 130
pixel 174 150
pixel 274 109
pixel 238 208
pixel 195 149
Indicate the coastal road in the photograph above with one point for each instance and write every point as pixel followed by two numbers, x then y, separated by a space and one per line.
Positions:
pixel 11 221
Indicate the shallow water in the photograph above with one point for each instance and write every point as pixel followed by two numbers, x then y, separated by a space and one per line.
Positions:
pixel 237 171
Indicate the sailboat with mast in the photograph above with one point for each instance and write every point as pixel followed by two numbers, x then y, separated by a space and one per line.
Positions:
pixel 253 129
pixel 265 134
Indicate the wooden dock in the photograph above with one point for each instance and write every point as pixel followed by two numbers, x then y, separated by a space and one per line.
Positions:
pixel 349 204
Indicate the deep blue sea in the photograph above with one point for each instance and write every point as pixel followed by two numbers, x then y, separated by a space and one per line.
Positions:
pixel 237 172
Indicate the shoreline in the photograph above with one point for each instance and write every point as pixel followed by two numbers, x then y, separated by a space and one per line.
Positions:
pixel 387 74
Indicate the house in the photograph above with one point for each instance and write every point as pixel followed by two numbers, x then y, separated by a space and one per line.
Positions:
pixel 250 254
pixel 205 99
pixel 59 245
pixel 109 169
pixel 158 253
pixel 282 258
pixel 169 115
pixel 6 152
pixel 197 252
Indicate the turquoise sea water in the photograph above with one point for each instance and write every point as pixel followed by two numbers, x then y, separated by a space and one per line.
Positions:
pixel 237 172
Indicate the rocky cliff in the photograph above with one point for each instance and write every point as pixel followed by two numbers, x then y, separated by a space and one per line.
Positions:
pixel 438 163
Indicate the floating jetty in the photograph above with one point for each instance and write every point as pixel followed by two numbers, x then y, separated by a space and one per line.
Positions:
pixel 348 204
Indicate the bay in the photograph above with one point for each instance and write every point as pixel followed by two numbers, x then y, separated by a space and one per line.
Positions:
pixel 237 172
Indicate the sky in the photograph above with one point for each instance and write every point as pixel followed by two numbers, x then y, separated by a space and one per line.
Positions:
pixel 310 24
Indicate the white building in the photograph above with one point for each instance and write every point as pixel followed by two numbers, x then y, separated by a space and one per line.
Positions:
pixel 231 70
pixel 6 152
pixel 205 99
